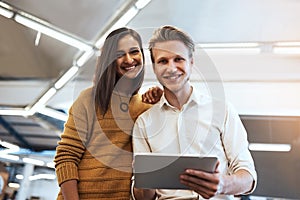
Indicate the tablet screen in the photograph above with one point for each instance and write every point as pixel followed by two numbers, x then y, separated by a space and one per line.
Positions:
pixel 158 171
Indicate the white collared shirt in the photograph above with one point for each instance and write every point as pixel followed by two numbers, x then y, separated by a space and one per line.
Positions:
pixel 204 126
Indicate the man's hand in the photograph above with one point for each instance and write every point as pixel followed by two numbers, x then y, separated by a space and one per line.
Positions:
pixel 204 183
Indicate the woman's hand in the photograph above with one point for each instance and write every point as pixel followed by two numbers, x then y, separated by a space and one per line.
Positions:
pixel 153 95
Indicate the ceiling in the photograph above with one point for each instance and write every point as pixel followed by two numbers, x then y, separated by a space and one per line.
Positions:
pixel 260 84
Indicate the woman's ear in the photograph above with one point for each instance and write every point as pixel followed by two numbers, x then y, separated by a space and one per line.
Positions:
pixel 192 61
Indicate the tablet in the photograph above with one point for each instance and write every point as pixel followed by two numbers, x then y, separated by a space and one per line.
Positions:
pixel 156 171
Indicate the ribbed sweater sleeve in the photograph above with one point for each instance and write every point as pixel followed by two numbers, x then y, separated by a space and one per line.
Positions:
pixel 72 144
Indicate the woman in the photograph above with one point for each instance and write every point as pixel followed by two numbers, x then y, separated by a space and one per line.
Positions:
pixel 93 159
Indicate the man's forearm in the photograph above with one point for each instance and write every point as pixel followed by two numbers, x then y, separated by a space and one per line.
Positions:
pixel 239 183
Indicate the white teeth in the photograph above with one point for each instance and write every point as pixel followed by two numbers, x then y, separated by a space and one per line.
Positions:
pixel 172 77
pixel 129 68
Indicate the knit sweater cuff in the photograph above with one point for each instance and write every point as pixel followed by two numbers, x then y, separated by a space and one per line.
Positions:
pixel 66 171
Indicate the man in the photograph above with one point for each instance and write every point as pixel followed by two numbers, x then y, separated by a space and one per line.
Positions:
pixel 188 122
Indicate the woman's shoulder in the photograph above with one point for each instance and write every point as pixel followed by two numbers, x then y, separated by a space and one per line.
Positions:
pixel 86 92
pixel 85 97
pixel 137 107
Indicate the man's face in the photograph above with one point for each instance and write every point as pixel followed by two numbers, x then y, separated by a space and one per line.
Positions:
pixel 172 65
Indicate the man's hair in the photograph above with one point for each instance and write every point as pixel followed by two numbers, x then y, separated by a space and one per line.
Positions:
pixel 167 33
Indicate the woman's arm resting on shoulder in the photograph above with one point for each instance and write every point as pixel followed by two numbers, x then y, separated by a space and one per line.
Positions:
pixel 153 95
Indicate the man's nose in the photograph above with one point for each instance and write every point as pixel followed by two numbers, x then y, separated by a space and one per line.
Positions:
pixel 172 66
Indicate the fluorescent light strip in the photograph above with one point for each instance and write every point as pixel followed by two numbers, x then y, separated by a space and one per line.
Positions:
pixel 287 44
pixel 237 51
pixel 53 33
pixel 286 50
pixel 51 164
pixel 229 45
pixel 42 101
pixel 142 3
pixel 47 96
pixel 84 58
pixel 19 176
pixel 14 185
pixel 53 113
pixel 9 157
pixel 42 176
pixel 10 146
pixel 16 112
pixel 37 38
pixel 270 147
pixel 33 161
pixel 66 77
pixel 5 12
pixel 8 151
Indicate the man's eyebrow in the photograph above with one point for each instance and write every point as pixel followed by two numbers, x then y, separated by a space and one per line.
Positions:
pixel 162 57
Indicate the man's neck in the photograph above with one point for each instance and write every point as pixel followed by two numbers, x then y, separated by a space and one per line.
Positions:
pixel 178 99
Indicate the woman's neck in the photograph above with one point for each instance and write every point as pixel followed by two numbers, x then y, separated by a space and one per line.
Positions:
pixel 125 87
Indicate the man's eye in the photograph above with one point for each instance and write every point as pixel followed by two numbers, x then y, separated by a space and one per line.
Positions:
pixel 162 62
pixel 179 59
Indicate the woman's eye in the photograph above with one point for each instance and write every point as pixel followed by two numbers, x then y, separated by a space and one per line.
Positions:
pixel 119 55
pixel 135 52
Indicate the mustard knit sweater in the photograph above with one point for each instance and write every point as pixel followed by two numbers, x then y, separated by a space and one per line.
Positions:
pixel 97 151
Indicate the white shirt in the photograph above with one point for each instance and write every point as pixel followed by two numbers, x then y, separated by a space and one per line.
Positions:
pixel 204 127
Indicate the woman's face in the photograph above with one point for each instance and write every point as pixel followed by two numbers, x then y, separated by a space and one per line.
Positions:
pixel 129 57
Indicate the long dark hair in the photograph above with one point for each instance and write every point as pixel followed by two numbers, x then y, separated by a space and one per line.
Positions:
pixel 106 75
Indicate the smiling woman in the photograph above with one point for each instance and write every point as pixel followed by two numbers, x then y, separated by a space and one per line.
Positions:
pixel 94 157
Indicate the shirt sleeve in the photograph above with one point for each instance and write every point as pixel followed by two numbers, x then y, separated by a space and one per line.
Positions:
pixel 236 145
pixel 139 137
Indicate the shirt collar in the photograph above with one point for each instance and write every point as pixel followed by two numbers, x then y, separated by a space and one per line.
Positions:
pixel 195 97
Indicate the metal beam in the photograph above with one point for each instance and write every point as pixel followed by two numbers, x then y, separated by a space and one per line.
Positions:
pixel 15 133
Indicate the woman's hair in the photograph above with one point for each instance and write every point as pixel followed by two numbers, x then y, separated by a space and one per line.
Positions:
pixel 167 33
pixel 106 75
